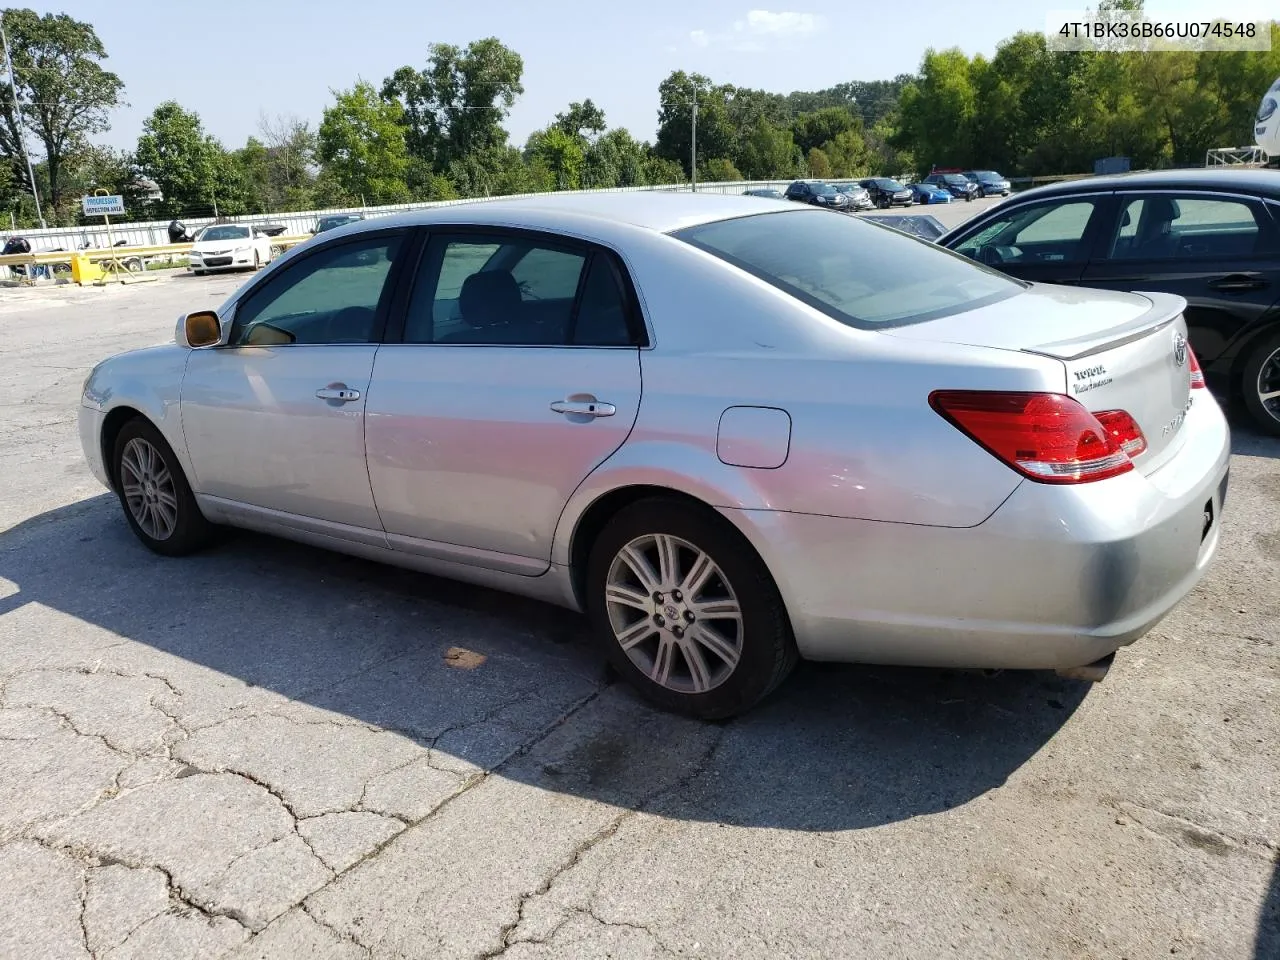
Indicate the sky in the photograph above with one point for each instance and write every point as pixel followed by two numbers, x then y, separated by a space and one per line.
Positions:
pixel 234 61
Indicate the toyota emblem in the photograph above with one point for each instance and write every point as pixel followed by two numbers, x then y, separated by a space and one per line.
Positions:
pixel 1179 349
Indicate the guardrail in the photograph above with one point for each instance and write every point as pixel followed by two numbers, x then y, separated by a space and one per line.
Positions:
pixel 118 260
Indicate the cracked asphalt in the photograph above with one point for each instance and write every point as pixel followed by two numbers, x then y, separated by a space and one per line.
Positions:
pixel 266 751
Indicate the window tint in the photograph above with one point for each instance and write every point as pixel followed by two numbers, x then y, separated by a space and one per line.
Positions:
pixel 1167 227
pixel 859 273
pixel 544 274
pixel 331 296
pixel 493 290
pixel 1048 233
pixel 602 313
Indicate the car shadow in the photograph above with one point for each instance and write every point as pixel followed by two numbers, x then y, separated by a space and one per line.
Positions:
pixel 1267 942
pixel 838 747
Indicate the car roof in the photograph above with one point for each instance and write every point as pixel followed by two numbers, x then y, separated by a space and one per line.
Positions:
pixel 1251 179
pixel 661 211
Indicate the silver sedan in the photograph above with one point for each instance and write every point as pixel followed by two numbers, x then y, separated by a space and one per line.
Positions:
pixel 734 432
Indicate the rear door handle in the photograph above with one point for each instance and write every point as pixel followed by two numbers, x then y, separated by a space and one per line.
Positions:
pixel 584 408
pixel 1238 282
pixel 343 394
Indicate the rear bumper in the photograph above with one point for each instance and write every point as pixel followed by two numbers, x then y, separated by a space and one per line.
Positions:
pixel 1057 577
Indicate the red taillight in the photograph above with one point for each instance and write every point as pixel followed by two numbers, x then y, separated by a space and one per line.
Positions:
pixel 1123 430
pixel 1048 437
pixel 1197 375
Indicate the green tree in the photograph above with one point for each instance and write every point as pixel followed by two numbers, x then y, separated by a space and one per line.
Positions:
pixel 848 155
pixel 719 169
pixel 814 129
pixel 63 94
pixel 190 167
pixel 819 164
pixel 456 104
pixel 561 154
pixel 584 120
pixel 283 171
pixel 938 111
pixel 660 171
pixel 716 137
pixel 361 142
pixel 768 152
pixel 494 171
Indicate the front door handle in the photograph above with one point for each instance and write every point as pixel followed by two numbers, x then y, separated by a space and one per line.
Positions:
pixel 1238 282
pixel 338 392
pixel 584 407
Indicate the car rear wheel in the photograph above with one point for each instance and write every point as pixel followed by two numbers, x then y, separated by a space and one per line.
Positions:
pixel 686 611
pixel 153 490
pixel 1262 385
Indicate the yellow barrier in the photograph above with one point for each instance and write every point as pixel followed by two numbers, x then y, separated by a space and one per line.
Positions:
pixel 112 257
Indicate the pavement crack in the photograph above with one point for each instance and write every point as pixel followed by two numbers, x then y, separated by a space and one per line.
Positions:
pixel 1190 833
pixel 508 932
pixel 340 934
pixel 84 907
pixel 176 894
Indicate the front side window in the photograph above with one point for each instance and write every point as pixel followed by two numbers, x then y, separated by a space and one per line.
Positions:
pixel 1051 232
pixel 515 291
pixel 331 296
pixel 861 274
pixel 1170 227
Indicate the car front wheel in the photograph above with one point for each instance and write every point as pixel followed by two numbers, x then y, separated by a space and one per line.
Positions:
pixel 1262 385
pixel 687 613
pixel 157 500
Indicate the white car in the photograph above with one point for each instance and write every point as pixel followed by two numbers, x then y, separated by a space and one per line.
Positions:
pixel 229 246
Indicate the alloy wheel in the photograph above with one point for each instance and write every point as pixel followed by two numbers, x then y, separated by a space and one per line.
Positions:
pixel 674 613
pixel 1268 385
pixel 149 490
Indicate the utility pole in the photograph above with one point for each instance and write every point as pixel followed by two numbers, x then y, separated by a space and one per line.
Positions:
pixel 693 143
pixel 17 114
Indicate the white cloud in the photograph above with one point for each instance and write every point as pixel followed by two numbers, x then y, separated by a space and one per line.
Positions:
pixel 786 24
pixel 750 34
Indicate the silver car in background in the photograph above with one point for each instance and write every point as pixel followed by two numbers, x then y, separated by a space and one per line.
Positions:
pixel 733 431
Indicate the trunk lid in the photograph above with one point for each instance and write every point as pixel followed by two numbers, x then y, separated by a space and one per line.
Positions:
pixel 1120 351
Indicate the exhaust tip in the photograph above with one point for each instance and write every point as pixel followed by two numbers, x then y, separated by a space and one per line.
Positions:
pixel 1094 672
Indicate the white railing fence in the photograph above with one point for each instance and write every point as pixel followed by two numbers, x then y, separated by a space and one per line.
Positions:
pixel 155 232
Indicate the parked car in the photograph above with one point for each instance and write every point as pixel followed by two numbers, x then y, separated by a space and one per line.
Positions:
pixel 929 193
pixel 886 192
pixel 960 186
pixel 766 193
pixel 859 198
pixel 229 246
pixel 1211 236
pixel 332 220
pixel 990 183
pixel 818 193
pixel 887 454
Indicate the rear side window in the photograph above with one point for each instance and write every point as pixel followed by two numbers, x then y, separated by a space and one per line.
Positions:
pixel 861 274
pixel 1169 227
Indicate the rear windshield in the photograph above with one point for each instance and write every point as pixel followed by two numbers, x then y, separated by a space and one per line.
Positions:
pixel 859 273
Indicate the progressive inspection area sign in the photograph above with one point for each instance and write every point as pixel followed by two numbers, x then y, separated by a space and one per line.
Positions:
pixel 103 206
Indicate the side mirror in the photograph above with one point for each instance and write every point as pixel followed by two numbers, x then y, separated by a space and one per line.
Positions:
pixel 203 328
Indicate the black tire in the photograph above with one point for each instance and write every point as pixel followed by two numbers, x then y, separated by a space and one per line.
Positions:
pixel 257 261
pixel 190 530
pixel 766 648
pixel 197 273
pixel 1265 355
